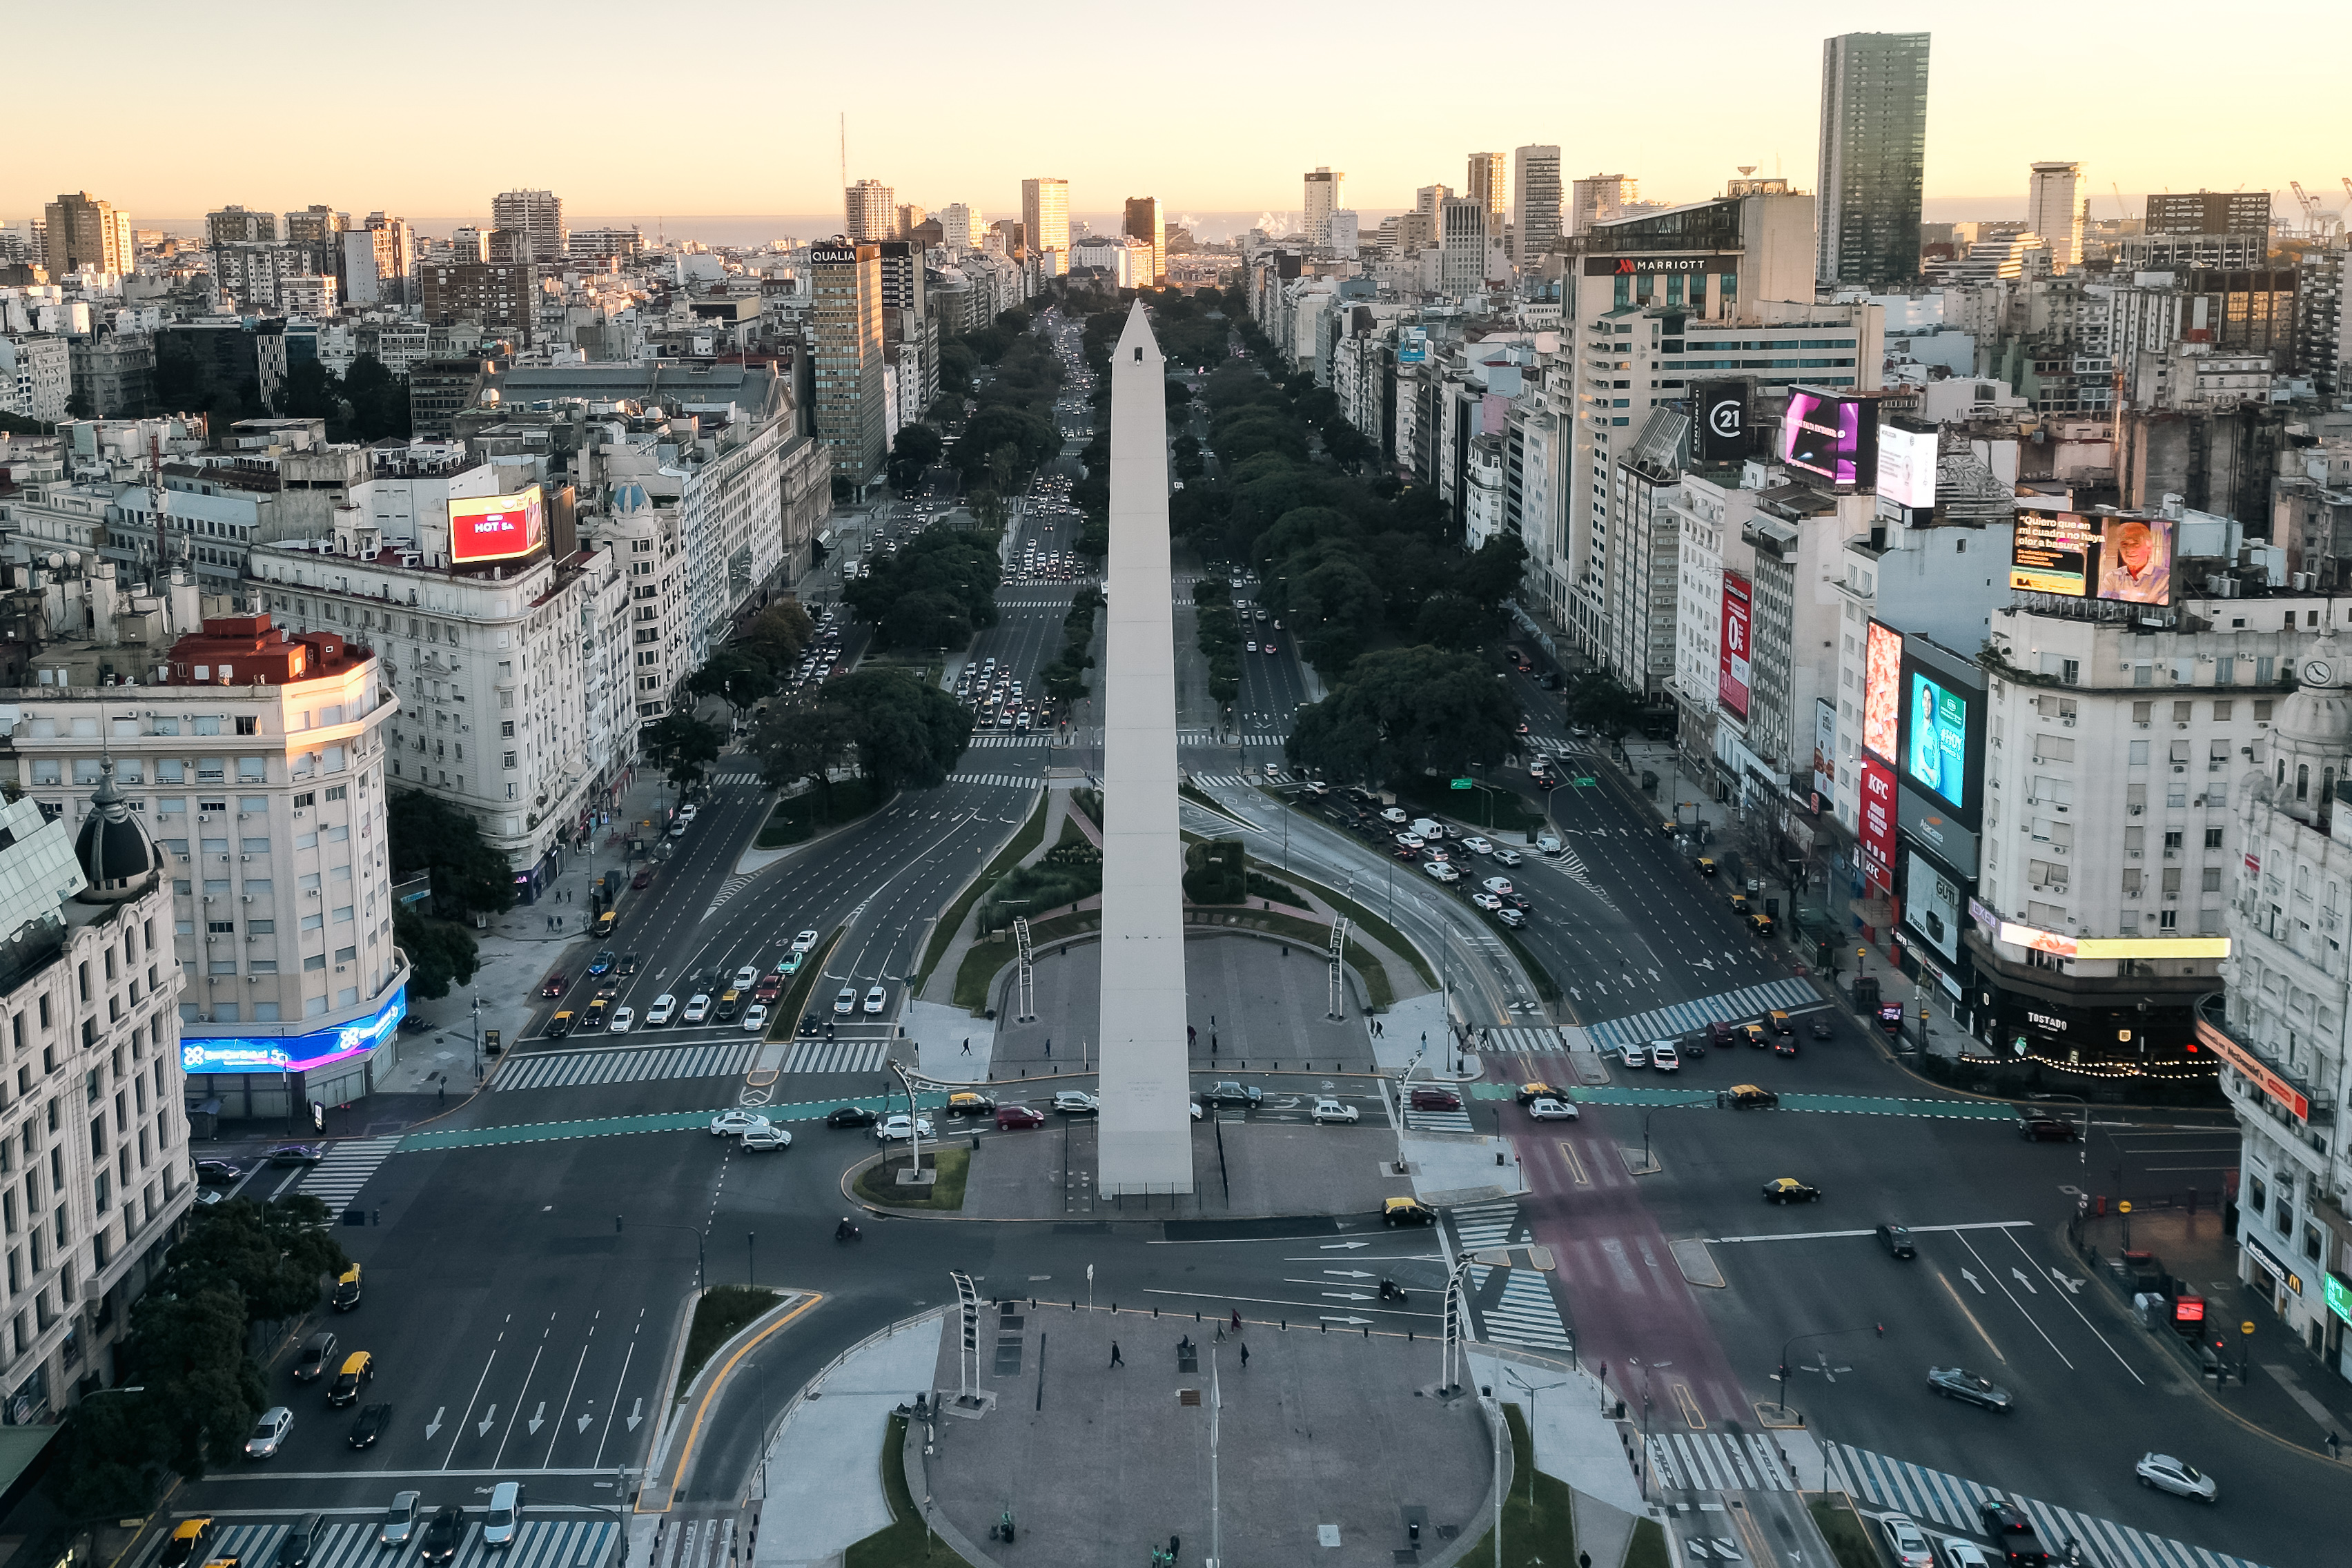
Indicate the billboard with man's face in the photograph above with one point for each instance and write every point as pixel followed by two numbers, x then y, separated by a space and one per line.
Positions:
pixel 2135 560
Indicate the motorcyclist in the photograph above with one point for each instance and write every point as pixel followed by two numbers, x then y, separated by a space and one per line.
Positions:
pixel 845 1231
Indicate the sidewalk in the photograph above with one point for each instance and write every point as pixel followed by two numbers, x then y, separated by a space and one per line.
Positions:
pixel 2288 1392
pixel 827 1457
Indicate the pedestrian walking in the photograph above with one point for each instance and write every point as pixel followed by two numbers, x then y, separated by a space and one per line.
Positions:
pixel 2335 1446
pixel 1116 1358
pixel 1049 1047
pixel 966 1045
pixel 1237 1319
pixel 1244 1357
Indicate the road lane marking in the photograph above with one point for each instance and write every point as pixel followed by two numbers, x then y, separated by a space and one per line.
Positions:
pixel 1972 1317
pixel 2069 1296
pixel 1915 1230
pixel 2018 1304
pixel 1689 1407
pixel 476 1395
pixel 1575 1165
pixel 1279 1301
pixel 686 1455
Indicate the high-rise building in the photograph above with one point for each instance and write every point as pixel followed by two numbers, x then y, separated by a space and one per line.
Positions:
pixel 1464 230
pixel 1046 214
pixel 846 319
pixel 2192 211
pixel 1601 198
pixel 959 226
pixel 379 258
pixel 234 225
pixel 1489 181
pixel 1534 202
pixel 2054 210
pixel 910 217
pixel 84 231
pixel 1322 199
pixel 538 214
pixel 316 225
pixel 499 297
pixel 1146 222
pixel 870 208
pixel 1873 155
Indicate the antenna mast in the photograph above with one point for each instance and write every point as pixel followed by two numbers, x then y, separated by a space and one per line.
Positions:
pixel 844 152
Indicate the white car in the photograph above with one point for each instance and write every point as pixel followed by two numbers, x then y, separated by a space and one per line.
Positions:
pixel 697 1007
pixel 1486 901
pixel 1328 1109
pixel 845 1001
pixel 1441 871
pixel 761 1138
pixel 1395 815
pixel 1635 1056
pixel 1511 917
pixel 623 1019
pixel 1549 1110
pixel 1497 885
pixel 1666 1057
pixel 1477 846
pixel 1074 1102
pixel 663 1009
pixel 893 1129
pixel 756 1019
pixel 1411 841
pixel 735 1123
pixel 804 941
pixel 747 977
pixel 688 812
pixel 1546 843
pixel 1961 1553
pixel 876 1000
pixel 678 828
pixel 2177 1477
pixel 1909 1541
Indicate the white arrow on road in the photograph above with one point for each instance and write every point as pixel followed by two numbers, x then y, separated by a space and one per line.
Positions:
pixel 434 1424
pixel 2072 1286
pixel 1345 1296
pixel 1349 1273
pixel 1351 1323
pixel 1972 1279
pixel 538 1419
pixel 487 1422
pixel 2022 1278
pixel 636 1414
pixel 585 1421
pixel 1342 1245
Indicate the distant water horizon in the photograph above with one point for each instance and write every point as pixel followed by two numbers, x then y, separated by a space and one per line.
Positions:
pixel 751 230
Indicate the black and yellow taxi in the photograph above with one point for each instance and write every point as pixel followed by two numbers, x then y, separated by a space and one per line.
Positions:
pixel 729 1001
pixel 1528 1093
pixel 605 923
pixel 191 1539
pixel 359 1371
pixel 1705 863
pixel 347 1290
pixel 1750 1097
pixel 1754 1034
pixel 1739 905
pixel 1761 924
pixel 1789 1190
pixel 560 1025
pixel 967 1103
pixel 1406 1211
pixel 598 1011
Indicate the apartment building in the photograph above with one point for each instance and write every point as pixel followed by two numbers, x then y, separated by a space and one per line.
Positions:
pixel 538 216
pixel 94 1162
pixel 1535 202
pixel 850 358
pixel 256 761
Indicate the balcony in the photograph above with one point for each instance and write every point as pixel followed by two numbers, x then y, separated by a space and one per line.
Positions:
pixel 2289 1097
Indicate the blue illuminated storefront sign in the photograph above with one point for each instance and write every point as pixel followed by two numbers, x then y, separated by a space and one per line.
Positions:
pixel 292 1053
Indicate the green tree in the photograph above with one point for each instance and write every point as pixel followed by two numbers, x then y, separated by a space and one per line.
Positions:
pixel 1399 713
pixel 736 675
pixel 441 953
pixel 804 744
pixel 1334 611
pixel 778 633
pixel 926 619
pixel 682 746
pixel 935 592
pixel 378 400
pixel 310 391
pixel 906 733
pixel 469 878
pixel 1594 701
pixel 916 449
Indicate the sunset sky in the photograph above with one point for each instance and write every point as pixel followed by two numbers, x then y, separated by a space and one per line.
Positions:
pixel 730 107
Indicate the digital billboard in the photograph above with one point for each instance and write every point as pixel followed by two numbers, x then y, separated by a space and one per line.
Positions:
pixel 1719 409
pixel 292 1053
pixel 1413 346
pixel 1881 694
pixel 1931 905
pixel 1907 466
pixel 1731 668
pixel 1831 438
pixel 2123 560
pixel 1936 757
pixel 1824 747
pixel 495 528
pixel 1877 835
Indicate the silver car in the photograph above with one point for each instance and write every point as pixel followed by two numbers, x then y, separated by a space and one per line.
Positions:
pixel 270 1433
pixel 1908 1540
pixel 399 1527
pixel 2177 1477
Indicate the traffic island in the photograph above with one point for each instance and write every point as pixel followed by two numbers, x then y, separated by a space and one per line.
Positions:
pixel 937 1187
pixel 1241 1169
pixel 1329 1447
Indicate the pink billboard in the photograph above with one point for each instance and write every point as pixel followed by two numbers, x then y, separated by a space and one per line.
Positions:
pixel 1732 670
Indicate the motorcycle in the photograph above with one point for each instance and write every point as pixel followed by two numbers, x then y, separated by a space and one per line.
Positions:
pixel 1392 1291
pixel 845 1231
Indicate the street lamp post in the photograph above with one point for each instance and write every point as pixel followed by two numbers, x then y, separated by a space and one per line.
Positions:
pixel 1782 1375
pixel 1531 1390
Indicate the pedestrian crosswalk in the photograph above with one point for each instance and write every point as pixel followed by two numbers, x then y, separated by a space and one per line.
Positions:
pixel 1000 780
pixel 1720 1461
pixel 337 1179
pixel 631 1064
pixel 1236 781
pixel 737 775
pixel 539 1543
pixel 1524 1041
pixel 1665 1022
pixel 838 1056
pixel 1035 738
pixel 1525 1314
pixel 1937 1497
pixel 1437 1121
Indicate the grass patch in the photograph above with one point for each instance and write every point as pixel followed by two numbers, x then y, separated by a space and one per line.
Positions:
pixel 1841 1528
pixel 1068 873
pixel 1264 886
pixel 1434 797
pixel 904 1542
pixel 784 1019
pixel 1031 834
pixel 719 1317
pixel 879 1183
pixel 1539 1516
pixel 798 818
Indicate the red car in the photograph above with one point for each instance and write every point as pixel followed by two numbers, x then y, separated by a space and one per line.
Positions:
pixel 643 878
pixel 1428 1097
pixel 1013 1117
pixel 771 986
pixel 554 986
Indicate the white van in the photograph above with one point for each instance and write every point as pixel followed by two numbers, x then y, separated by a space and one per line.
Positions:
pixel 1429 827
pixel 504 1520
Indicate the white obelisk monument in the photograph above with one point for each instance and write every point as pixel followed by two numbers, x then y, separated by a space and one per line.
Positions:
pixel 1146 1131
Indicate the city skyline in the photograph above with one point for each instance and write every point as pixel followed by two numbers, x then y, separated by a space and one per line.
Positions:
pixel 437 161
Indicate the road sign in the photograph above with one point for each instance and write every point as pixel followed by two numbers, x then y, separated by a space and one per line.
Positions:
pixel 2124 1207
pixel 2246 1327
pixel 1462 783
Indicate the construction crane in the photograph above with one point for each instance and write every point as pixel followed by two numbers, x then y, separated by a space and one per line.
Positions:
pixel 2318 223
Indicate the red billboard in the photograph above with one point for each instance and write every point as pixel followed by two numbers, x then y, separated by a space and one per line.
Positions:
pixel 495 528
pixel 1878 822
pixel 1732 670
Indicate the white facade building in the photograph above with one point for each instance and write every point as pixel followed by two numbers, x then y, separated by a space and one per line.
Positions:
pixel 36 376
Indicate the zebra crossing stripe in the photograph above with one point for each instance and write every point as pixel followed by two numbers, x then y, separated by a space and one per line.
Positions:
pixel 338 1178
pixel 639 1064
pixel 1437 1121
pixel 1683 1016
pixel 838 1056
pixel 1533 1041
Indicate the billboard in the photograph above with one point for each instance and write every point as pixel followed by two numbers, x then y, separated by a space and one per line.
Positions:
pixel 1881 696
pixel 1719 410
pixel 292 1053
pixel 1940 832
pixel 495 528
pixel 2125 560
pixel 1931 905
pixel 1413 346
pixel 1830 437
pixel 1877 833
pixel 1935 756
pixel 1906 467
pixel 1824 747
pixel 1731 668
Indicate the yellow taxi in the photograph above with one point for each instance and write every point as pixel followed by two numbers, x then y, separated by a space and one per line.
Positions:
pixel 1406 1211
pixel 191 1539
pixel 965 1102
pixel 1531 1092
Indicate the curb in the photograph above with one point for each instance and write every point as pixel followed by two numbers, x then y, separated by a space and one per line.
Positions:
pixel 712 1380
